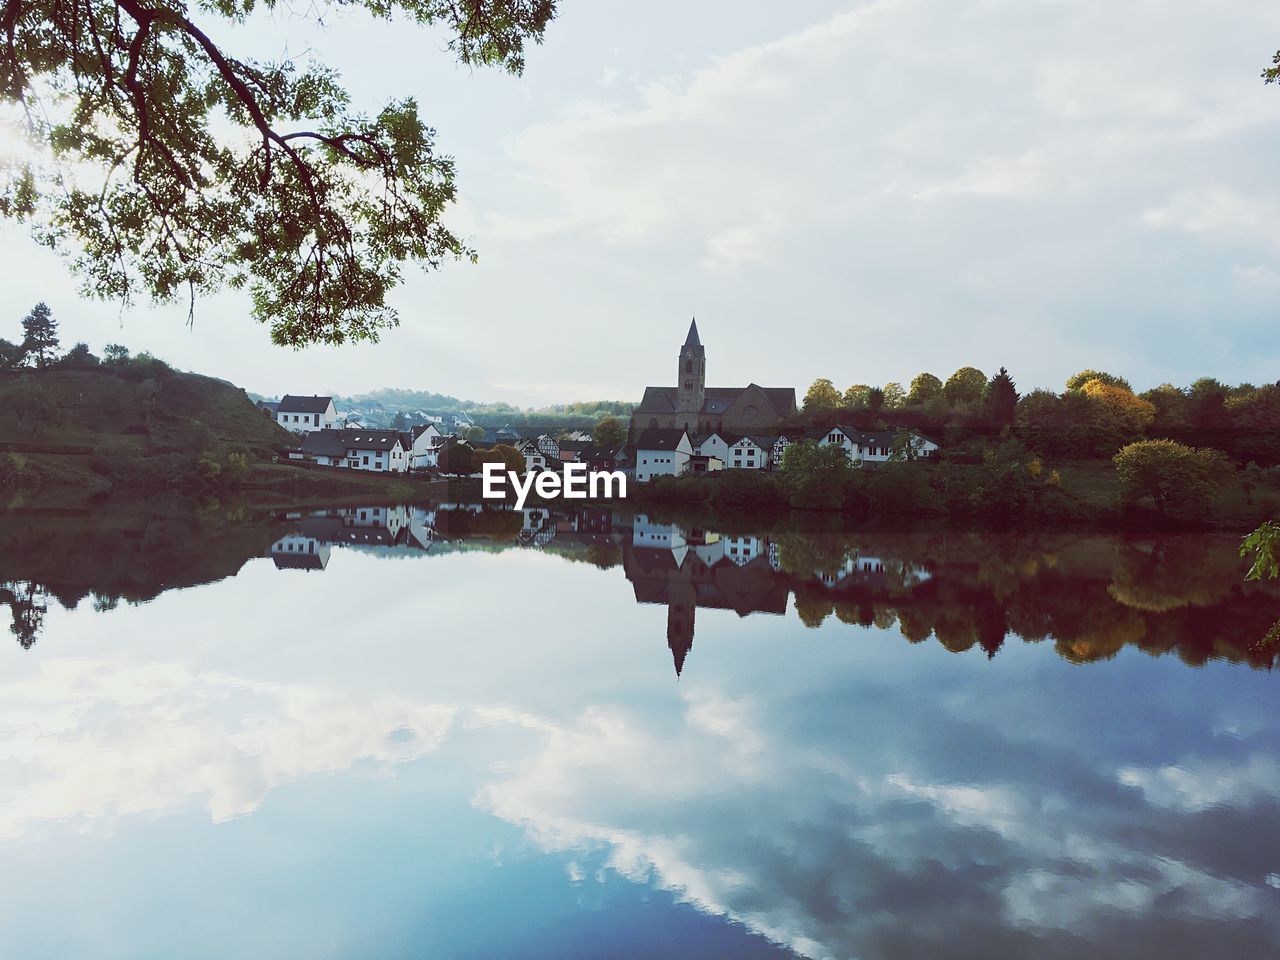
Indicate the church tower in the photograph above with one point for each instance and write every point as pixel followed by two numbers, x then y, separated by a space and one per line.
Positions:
pixel 692 382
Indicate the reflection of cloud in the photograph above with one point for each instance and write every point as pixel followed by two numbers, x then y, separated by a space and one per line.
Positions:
pixel 1192 787
pixel 96 739
pixel 839 844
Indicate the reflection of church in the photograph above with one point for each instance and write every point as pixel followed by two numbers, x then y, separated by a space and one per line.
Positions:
pixel 687 570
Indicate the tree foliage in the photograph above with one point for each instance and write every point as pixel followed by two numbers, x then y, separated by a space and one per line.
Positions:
pixel 822 395
pixel 1180 480
pixel 1078 381
pixel 173 166
pixel 967 385
pixel 924 388
pixel 1264 545
pixel 40 335
pixel 1002 399
pixel 609 433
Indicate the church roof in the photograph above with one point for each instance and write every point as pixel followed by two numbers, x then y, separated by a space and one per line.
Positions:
pixel 716 399
pixel 692 339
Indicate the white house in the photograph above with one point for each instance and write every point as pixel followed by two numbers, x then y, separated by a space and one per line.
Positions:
pixel 748 453
pixel 425 451
pixel 846 438
pixel 715 445
pixel 780 444
pixel 379 450
pixel 877 446
pixel 662 452
pixel 306 414
pixel 549 446
pixel 535 460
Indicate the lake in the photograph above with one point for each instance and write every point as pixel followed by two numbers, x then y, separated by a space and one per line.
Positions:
pixel 403 732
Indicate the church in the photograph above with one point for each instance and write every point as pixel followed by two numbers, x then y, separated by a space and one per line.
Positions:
pixel 701 410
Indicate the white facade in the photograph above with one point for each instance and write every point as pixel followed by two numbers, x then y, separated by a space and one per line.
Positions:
pixel 746 454
pixel 425 452
pixel 663 463
pixel 714 446
pixel 839 437
pixel 393 460
pixel 300 422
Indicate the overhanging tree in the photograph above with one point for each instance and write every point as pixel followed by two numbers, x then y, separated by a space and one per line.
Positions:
pixel 171 166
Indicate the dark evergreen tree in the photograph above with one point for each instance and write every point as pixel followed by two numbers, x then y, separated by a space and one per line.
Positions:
pixel 1002 399
pixel 41 335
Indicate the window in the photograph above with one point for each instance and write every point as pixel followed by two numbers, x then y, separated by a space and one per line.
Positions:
pixel 366 459
pixel 833 438
pixel 317 420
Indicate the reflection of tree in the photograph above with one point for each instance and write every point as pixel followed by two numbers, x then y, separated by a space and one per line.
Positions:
pixel 28 603
pixel 1173 573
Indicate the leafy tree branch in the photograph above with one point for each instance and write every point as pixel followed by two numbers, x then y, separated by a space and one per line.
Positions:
pixel 172 167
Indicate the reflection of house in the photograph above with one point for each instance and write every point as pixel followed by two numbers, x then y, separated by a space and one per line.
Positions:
pixel 298 552
pixel 687 571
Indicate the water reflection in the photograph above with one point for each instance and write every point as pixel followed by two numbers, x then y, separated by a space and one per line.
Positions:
pixel 1090 595
pixel 348 720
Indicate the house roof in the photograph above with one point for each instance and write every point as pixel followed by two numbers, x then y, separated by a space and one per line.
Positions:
pixel 590 452
pixel 717 399
pixel 312 404
pixel 335 443
pixel 423 428
pixel 658 438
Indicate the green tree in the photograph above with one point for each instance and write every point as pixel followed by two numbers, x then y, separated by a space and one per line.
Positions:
pixel 875 398
pixel 966 386
pixel 40 335
pixel 12 355
pixel 458 458
pixel 1002 399
pixel 220 169
pixel 474 434
pixel 894 395
pixel 815 476
pixel 400 422
pixel 822 395
pixel 609 433
pixel 858 395
pixel 508 456
pixel 79 356
pixel 1179 480
pixel 924 388
pixel 1078 381
pixel 1117 417
pixel 33 406
pixel 115 354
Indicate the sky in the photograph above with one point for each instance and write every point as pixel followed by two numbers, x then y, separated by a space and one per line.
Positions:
pixel 858 191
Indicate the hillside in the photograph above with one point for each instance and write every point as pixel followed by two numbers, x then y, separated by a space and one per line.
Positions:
pixel 131 408
pixel 143 427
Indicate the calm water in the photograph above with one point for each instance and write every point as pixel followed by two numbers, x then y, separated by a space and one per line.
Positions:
pixel 402 732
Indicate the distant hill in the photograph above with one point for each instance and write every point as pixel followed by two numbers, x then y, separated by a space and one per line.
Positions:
pixel 379 408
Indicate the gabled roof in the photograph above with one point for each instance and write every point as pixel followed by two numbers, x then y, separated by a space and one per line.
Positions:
pixel 335 443
pixel 658 438
pixel 591 452
pixel 692 339
pixel 312 404
pixel 717 399
pixel 423 428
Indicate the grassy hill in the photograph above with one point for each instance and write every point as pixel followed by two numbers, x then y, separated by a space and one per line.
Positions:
pixel 143 425
pixel 124 408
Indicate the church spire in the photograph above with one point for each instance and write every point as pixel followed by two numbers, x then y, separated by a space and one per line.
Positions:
pixel 692 339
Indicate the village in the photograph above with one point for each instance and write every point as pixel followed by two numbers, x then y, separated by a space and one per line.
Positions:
pixel 674 431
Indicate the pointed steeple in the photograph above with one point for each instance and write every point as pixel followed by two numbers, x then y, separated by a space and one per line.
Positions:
pixel 692 339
